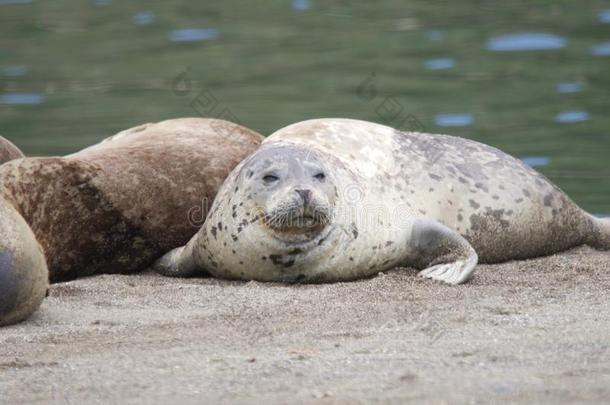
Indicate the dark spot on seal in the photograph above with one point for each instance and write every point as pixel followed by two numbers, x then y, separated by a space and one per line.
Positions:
pixel 220 226
pixel 351 259
pixel 430 189
pixel 460 217
pixel 434 177
pixel 495 197
pixel 422 212
pixel 547 200
pixel 321 241
pixel 8 282
pixel 213 231
pixel 474 204
pixel 462 180
pixel 526 193
pixel 481 186
pixel 234 237
pixel 250 173
pixel 295 251
pixel 518 200
pixel 389 243
pixel 488 221
pixel 264 257
pixel 276 259
pixel 354 231
pixel 289 263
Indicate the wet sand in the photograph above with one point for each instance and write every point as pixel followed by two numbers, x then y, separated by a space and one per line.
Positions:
pixel 531 331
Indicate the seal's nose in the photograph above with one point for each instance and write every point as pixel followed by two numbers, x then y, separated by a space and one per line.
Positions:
pixel 305 195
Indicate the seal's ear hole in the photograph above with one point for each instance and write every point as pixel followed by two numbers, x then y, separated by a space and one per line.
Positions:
pixel 270 178
pixel 320 176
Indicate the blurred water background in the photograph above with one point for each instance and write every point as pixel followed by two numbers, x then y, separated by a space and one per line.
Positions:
pixel 530 77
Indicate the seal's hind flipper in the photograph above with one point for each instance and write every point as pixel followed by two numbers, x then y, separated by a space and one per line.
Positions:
pixel 601 233
pixel 178 262
pixel 442 253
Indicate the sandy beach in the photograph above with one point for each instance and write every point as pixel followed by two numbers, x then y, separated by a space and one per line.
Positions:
pixel 535 331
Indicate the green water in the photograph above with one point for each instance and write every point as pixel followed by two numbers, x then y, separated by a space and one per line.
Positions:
pixel 272 65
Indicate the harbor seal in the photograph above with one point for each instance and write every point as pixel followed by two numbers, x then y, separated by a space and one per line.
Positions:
pixel 117 206
pixel 338 199
pixel 23 269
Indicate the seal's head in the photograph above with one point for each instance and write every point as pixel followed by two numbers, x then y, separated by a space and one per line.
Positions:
pixel 292 192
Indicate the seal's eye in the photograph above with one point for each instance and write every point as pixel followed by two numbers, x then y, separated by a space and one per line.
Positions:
pixel 320 176
pixel 270 178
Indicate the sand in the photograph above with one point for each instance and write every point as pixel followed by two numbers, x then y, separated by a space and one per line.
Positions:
pixel 531 331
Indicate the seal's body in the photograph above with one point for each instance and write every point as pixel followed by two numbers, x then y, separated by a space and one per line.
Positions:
pixel 118 205
pixel 24 277
pixel 338 199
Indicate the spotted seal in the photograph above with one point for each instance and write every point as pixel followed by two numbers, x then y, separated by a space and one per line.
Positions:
pixel 24 276
pixel 117 206
pixel 339 199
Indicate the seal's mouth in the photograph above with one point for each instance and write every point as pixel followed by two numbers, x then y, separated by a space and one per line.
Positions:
pixel 297 221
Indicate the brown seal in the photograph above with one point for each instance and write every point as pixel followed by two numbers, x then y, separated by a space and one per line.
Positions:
pixel 23 272
pixel 118 205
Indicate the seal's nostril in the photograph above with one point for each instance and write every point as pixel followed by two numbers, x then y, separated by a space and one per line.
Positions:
pixel 305 195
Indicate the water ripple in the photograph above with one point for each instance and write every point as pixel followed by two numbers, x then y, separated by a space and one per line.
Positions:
pixel 439 63
pixel 10 2
pixel 568 87
pixel 453 120
pixel 21 98
pixel 571 116
pixel 526 42
pixel 604 16
pixel 144 18
pixel 301 5
pixel 602 49
pixel 15 70
pixel 536 161
pixel 193 34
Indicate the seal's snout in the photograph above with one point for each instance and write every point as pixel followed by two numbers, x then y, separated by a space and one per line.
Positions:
pixel 306 196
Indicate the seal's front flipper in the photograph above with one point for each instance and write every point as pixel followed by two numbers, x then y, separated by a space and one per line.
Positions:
pixel 178 262
pixel 442 253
